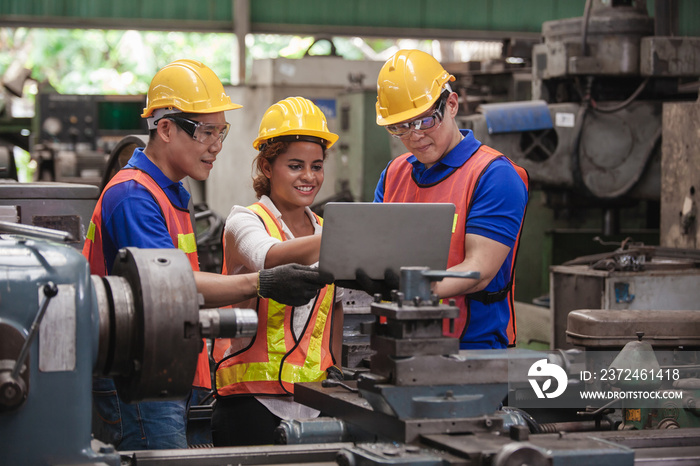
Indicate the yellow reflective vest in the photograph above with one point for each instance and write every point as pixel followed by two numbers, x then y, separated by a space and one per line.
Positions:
pixel 275 360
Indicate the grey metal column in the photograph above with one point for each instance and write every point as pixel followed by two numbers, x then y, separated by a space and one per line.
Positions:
pixel 241 27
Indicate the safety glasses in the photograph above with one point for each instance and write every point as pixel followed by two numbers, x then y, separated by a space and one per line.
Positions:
pixel 205 133
pixel 402 130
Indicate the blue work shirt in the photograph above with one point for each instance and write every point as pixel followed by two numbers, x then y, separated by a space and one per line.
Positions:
pixel 131 217
pixel 497 211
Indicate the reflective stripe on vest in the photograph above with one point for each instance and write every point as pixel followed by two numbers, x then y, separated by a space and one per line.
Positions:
pixel 179 224
pixel 273 362
pixel 400 186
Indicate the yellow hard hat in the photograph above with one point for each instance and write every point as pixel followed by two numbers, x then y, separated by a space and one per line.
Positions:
pixel 188 86
pixel 293 118
pixel 409 83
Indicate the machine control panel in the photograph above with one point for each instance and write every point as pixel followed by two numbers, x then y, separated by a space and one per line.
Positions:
pixel 90 121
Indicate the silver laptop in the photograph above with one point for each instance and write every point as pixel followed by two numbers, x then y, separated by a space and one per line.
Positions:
pixel 377 236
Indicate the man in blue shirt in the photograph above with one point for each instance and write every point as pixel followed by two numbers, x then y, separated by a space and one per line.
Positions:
pixel 145 206
pixel 443 164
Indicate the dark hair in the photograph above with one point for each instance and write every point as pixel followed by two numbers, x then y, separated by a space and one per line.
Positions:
pixel 152 132
pixel 269 152
pixel 441 101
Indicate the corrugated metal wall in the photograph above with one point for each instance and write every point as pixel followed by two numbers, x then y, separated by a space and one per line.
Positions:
pixel 194 10
pixel 492 15
pixel 428 18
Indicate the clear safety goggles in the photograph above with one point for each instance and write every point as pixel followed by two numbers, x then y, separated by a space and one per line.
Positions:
pixel 206 133
pixel 402 130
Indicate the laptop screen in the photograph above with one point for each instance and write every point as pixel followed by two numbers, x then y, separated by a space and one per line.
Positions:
pixel 377 236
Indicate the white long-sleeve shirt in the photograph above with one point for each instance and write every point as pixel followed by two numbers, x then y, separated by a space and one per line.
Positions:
pixel 251 242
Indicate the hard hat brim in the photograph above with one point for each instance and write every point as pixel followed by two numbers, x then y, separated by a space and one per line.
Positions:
pixel 329 137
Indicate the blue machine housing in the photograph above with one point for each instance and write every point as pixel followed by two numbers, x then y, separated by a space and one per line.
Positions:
pixel 44 429
pixel 510 117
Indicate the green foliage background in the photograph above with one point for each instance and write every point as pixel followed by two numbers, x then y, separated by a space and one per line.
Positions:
pixel 93 61
pixel 90 61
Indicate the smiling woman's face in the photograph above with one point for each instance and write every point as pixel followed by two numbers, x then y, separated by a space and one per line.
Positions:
pixel 296 175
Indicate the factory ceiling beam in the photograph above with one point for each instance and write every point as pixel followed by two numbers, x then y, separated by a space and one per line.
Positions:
pixel 422 19
pixel 447 19
pixel 260 28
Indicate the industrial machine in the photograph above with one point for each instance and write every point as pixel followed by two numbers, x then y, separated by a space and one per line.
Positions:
pixel 590 134
pixel 74 135
pixel 667 340
pixel 424 402
pixel 633 277
pixel 421 401
pixel 64 207
pixel 593 126
pixel 59 326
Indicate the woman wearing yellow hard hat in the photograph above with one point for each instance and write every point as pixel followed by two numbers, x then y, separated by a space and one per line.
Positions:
pixel 255 378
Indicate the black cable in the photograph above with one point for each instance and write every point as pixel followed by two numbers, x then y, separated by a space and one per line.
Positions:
pixel 584 28
pixel 621 105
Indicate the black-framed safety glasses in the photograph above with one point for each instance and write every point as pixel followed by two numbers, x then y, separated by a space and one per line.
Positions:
pixel 402 130
pixel 206 133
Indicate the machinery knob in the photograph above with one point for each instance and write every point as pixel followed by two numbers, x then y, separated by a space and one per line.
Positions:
pixel 13 392
pixel 14 368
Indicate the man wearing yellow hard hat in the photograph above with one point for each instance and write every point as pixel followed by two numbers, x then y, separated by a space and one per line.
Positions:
pixel 145 205
pixel 416 104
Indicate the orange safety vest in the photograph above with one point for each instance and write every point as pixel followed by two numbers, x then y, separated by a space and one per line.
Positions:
pixel 400 187
pixel 179 225
pixel 274 360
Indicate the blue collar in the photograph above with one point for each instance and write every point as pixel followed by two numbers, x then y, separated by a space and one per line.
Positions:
pixel 450 161
pixel 175 191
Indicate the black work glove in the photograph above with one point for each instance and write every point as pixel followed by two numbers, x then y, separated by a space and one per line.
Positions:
pixel 370 286
pixel 292 284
